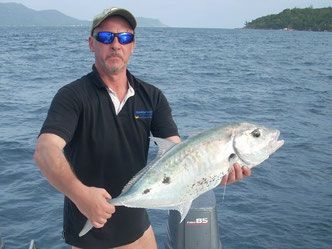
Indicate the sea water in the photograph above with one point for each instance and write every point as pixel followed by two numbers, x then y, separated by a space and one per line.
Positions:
pixel 211 77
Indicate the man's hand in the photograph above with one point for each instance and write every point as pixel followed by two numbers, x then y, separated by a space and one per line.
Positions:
pixel 93 204
pixel 235 174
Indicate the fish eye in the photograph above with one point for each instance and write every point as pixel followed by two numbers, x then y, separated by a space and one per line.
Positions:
pixel 256 133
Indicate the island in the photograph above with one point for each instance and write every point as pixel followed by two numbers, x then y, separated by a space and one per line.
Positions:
pixel 15 14
pixel 308 19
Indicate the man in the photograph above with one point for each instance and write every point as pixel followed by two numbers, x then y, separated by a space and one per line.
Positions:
pixel 96 138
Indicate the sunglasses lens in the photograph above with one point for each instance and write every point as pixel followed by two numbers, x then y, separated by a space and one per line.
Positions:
pixel 108 37
pixel 105 37
pixel 125 38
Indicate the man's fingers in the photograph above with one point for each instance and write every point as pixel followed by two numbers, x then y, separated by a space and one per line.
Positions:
pixel 231 176
pixel 108 215
pixel 101 221
pixel 238 172
pixel 224 180
pixel 110 209
pixel 107 195
pixel 98 224
pixel 246 171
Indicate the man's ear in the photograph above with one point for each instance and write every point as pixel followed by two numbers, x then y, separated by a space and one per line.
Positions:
pixel 91 44
pixel 133 46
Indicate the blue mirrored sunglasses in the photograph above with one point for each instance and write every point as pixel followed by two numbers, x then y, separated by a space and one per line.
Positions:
pixel 108 37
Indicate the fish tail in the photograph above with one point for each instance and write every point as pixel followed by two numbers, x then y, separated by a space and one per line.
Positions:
pixel 87 227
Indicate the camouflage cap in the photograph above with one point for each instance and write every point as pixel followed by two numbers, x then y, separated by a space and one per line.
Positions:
pixel 113 11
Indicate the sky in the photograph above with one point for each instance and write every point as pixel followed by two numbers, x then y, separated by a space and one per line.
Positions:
pixel 179 13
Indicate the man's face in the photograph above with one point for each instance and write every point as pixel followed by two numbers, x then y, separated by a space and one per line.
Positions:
pixel 112 58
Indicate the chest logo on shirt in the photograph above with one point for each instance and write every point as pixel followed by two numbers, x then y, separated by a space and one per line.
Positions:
pixel 143 114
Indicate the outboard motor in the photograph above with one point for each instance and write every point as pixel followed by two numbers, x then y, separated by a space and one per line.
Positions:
pixel 199 230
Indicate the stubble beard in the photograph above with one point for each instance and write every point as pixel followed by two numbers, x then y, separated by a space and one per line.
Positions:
pixel 112 69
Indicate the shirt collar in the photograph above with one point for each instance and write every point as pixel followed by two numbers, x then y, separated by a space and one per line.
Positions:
pixel 130 92
pixel 98 81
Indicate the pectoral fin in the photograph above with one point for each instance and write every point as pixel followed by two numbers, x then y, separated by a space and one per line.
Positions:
pixel 163 144
pixel 183 210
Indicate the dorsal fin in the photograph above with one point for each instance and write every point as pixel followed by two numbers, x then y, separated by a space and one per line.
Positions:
pixel 193 133
pixel 163 144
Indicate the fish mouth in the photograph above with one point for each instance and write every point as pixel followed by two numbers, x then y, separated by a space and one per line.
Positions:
pixel 275 144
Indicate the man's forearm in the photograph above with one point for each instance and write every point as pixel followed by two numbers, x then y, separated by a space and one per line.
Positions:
pixel 54 166
pixel 91 201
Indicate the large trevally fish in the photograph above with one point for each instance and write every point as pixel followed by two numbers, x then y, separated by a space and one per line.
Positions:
pixel 181 172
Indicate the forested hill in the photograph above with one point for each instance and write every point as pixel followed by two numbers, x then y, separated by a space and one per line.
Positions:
pixel 296 19
pixel 14 14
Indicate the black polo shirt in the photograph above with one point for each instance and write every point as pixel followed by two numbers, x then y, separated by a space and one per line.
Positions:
pixel 106 150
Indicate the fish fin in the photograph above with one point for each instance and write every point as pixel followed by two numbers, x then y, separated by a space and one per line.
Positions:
pixel 163 144
pixel 115 201
pixel 184 209
pixel 193 133
pixel 87 227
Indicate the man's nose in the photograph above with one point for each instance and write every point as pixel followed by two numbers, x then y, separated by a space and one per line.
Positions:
pixel 115 43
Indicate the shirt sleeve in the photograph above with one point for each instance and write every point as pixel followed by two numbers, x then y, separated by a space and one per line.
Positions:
pixel 163 124
pixel 63 115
